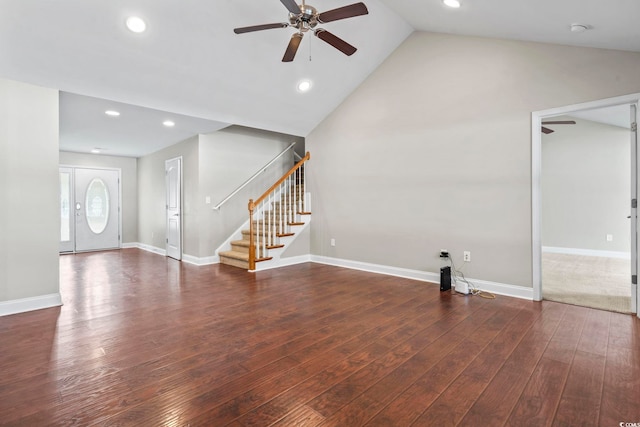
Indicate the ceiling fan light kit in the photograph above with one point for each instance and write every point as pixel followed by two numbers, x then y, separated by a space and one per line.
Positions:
pixel 305 18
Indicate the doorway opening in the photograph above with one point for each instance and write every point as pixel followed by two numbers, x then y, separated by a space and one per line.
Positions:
pixel 584 227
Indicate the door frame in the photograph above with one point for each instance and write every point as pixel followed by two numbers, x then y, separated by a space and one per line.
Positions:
pixel 180 202
pixel 536 172
pixel 69 246
pixel 72 196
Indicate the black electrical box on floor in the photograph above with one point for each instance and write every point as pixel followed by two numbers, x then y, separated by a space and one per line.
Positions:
pixel 445 278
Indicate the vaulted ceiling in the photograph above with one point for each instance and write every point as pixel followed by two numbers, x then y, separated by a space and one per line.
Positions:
pixel 190 63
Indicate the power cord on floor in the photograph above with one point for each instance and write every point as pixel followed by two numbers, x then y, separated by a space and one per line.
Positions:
pixel 473 289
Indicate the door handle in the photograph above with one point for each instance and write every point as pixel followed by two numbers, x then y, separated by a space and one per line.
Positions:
pixel 175 215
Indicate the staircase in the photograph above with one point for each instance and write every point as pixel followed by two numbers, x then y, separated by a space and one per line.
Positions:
pixel 275 219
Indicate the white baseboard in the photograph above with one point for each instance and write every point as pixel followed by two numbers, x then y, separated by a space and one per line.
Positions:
pixel 424 276
pixel 513 291
pixel 148 248
pixel 29 304
pixel 484 285
pixel 190 259
pixel 377 268
pixel 130 245
pixel 284 262
pixel 586 252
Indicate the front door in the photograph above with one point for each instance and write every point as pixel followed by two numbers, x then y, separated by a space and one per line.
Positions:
pixel 173 172
pixel 90 209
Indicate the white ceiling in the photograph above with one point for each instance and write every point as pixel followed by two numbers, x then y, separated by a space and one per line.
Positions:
pixel 190 62
pixel 136 131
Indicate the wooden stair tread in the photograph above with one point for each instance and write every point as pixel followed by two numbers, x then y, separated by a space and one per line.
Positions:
pixel 235 255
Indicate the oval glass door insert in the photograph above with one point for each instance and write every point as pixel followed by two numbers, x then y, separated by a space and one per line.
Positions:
pixel 97 205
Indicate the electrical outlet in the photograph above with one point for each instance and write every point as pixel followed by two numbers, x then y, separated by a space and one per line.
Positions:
pixel 609 237
pixel 333 242
pixel 467 256
pixel 207 200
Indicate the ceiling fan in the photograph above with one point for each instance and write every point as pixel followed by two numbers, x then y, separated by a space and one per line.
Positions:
pixel 546 130
pixel 305 18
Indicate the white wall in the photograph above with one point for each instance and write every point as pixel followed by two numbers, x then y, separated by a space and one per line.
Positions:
pixel 29 191
pixel 433 151
pixel 585 186
pixel 129 185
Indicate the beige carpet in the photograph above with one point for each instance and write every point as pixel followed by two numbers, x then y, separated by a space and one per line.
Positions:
pixel 603 283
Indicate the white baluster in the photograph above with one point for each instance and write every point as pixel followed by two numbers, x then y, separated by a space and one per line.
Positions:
pixel 299 189
pixel 264 234
pixel 271 227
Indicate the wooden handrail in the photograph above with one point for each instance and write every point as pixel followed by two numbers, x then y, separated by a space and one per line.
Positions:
pixel 253 204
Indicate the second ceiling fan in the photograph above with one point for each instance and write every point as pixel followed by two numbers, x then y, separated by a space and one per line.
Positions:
pixel 547 131
pixel 305 18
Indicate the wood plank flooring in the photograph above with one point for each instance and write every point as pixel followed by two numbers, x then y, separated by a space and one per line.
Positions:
pixel 143 340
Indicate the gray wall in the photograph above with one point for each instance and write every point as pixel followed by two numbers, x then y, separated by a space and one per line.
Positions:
pixel 585 186
pixel 227 159
pixel 129 185
pixel 433 151
pixel 152 196
pixel 29 191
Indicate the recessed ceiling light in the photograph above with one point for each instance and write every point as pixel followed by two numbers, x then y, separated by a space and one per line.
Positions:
pixel 452 3
pixel 96 150
pixel 579 28
pixel 135 24
pixel 112 113
pixel 304 86
pixel 168 123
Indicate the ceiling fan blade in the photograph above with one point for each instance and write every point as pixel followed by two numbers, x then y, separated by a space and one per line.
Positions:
pixel 546 130
pixel 561 122
pixel 292 6
pixel 350 11
pixel 335 41
pixel 290 53
pixel 259 27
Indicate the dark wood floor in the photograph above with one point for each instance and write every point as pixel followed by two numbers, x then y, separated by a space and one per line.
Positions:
pixel 147 341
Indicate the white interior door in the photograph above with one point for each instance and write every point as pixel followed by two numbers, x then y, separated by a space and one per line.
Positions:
pixel 67 216
pixel 97 209
pixel 173 172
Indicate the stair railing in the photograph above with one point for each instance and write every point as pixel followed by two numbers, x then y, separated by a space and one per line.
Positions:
pixel 254 176
pixel 272 214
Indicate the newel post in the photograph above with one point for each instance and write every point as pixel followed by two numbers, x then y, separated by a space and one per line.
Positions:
pixel 252 248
